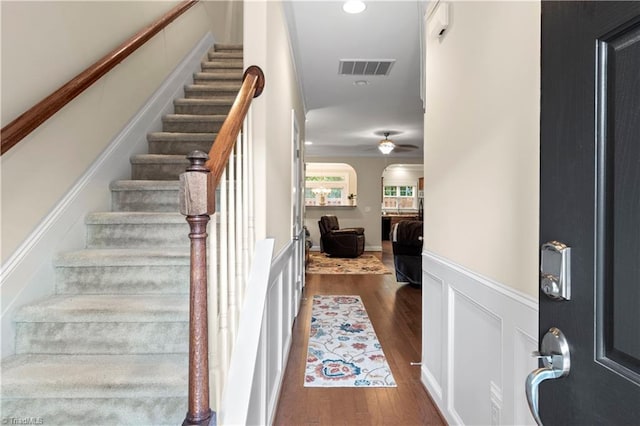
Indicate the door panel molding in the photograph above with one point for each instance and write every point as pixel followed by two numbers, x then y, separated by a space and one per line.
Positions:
pixel 616 201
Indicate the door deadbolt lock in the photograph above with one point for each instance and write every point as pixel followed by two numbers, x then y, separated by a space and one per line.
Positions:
pixel 555 270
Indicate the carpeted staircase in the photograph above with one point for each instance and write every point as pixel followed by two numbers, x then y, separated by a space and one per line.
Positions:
pixel 111 346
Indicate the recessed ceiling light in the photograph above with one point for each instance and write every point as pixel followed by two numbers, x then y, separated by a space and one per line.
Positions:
pixel 308 143
pixel 354 6
pixel 361 82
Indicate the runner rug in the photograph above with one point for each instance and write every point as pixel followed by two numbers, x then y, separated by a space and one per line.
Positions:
pixel 344 350
pixel 319 263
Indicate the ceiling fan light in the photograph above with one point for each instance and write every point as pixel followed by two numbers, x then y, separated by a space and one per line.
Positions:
pixel 354 6
pixel 386 146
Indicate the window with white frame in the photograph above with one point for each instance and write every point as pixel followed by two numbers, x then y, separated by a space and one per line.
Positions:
pixel 328 189
pixel 399 197
pixel 330 184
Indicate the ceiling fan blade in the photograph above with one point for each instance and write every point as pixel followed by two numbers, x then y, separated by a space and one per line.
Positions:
pixel 406 148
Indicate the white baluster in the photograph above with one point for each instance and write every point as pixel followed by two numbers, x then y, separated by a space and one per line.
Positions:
pixel 231 248
pixel 225 346
pixel 251 190
pixel 215 372
pixel 239 225
pixel 246 248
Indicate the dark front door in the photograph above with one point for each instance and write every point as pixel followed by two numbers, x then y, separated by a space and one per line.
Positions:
pixel 590 200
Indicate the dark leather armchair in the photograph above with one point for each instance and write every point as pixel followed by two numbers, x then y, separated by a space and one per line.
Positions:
pixel 346 242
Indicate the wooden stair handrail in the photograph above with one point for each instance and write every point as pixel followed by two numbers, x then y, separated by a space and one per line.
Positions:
pixel 28 121
pixel 252 86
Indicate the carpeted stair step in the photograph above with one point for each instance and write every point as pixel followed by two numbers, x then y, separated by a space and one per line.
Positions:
pixel 234 75
pixel 122 271
pixel 222 47
pixel 216 106
pixel 96 389
pixel 199 91
pixel 224 56
pixel 229 86
pixel 187 123
pixel 145 195
pixel 232 66
pixel 167 143
pixel 136 230
pixel 104 324
pixel 157 166
pixel 213 78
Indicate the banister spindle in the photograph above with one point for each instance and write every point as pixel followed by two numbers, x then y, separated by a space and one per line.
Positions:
pixel 197 206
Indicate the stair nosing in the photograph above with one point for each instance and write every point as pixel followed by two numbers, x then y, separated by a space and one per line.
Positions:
pixel 105 308
pixel 114 375
pixel 144 185
pixel 159 158
pixel 194 117
pixel 204 101
pixel 180 136
pixel 213 88
pixel 122 257
pixel 134 218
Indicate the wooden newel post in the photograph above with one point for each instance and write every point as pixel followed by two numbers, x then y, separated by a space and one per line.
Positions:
pixel 196 206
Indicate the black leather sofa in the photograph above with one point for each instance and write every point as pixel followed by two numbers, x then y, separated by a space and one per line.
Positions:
pixel 406 238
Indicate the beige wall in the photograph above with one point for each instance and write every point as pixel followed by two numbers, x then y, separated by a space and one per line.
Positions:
pixel 407 175
pixel 367 213
pixel 482 141
pixel 46 43
pixel 267 45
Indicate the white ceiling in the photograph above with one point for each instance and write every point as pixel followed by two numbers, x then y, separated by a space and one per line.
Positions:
pixel 348 120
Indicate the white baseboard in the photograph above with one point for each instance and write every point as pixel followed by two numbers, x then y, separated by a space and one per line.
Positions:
pixel 476 344
pixel 28 274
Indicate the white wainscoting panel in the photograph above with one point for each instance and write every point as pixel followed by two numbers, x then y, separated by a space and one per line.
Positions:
pixel 523 342
pixel 475 333
pixel 477 340
pixel 433 326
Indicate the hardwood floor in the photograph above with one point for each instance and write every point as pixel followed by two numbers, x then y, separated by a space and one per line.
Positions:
pixel 395 311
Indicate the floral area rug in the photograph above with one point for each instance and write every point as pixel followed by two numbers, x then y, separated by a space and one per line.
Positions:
pixel 343 348
pixel 319 263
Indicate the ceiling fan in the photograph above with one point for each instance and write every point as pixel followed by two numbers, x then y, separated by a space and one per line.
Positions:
pixel 370 148
pixel 386 145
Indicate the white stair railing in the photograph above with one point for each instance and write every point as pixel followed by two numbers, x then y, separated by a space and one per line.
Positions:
pixel 230 245
pixel 256 302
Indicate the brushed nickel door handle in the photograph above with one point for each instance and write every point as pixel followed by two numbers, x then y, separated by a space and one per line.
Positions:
pixel 556 360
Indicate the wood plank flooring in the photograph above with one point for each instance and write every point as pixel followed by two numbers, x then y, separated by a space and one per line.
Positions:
pixel 395 311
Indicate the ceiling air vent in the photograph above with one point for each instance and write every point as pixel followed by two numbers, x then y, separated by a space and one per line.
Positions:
pixel 365 66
